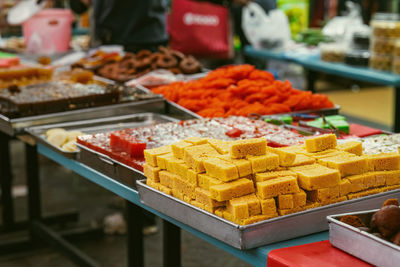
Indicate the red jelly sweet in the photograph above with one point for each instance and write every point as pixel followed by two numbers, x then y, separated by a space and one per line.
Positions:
pixel 120 141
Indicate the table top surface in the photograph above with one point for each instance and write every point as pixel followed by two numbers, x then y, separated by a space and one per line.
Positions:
pixel 313 62
pixel 255 257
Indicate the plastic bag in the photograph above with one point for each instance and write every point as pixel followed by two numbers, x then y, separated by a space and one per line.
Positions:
pixel 265 30
pixel 200 29
pixel 154 78
pixel 342 28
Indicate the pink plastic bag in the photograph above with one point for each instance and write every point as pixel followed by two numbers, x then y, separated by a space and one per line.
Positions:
pixel 200 29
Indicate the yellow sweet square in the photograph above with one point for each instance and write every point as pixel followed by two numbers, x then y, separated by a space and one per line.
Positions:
pixel 277 186
pixel 245 147
pixel 223 147
pixel 351 165
pixel 263 163
pixel 357 183
pixel 393 178
pixel 182 185
pixel 165 189
pixel 253 203
pixel 385 161
pixel 191 177
pixel 320 143
pixel 181 169
pixel 227 215
pixel 220 169
pixel 264 176
pixel 324 154
pixel 178 148
pixel 150 155
pixel 324 195
pixel 196 140
pixel 268 207
pixel 205 181
pixel 153 184
pixel 345 187
pixel 302 159
pixel 227 191
pixel 297 149
pixel 195 155
pixel 286 158
pixel 219 212
pixel 204 196
pixel 172 163
pixel 315 176
pixel 354 147
pixel 369 180
pixel 179 195
pixel 243 165
pixel 299 199
pixel 285 201
pixel 162 160
pixel 197 204
pixel 239 210
pixel 166 178
pixel 151 172
pixel 380 178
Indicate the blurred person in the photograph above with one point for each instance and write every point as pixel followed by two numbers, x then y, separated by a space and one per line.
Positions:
pixel 134 24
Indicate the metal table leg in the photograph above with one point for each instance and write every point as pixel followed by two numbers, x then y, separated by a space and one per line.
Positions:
pixel 33 182
pixel 311 79
pixel 6 181
pixel 134 218
pixel 171 245
pixel 38 230
pixel 396 124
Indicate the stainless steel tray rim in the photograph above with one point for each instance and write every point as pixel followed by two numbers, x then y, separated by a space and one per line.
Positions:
pixel 143 183
pixel 332 219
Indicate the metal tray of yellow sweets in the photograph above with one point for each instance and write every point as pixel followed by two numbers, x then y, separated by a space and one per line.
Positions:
pixel 260 233
pixel 366 246
pixel 94 126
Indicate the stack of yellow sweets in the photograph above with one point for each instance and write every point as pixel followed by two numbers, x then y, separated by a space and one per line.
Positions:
pixel 245 181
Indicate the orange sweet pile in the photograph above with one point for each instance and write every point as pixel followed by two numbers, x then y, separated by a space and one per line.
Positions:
pixel 240 90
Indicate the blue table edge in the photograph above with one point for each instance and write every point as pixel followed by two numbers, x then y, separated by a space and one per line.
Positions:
pixel 255 257
pixel 313 62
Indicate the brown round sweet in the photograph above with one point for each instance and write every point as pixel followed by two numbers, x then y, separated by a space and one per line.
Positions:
pixel 177 54
pixel 387 220
pixel 143 64
pixel 391 201
pixel 129 55
pixel 143 54
pixel 190 65
pixel 396 239
pixel 167 61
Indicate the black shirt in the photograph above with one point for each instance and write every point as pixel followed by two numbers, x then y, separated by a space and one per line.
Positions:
pixel 127 22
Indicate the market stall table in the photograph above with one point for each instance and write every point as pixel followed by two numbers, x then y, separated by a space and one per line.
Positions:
pixel 255 257
pixel 314 64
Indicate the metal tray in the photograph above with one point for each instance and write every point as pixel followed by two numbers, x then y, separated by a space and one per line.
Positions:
pixel 96 126
pixel 360 244
pixel 16 126
pixel 257 234
pixel 108 166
